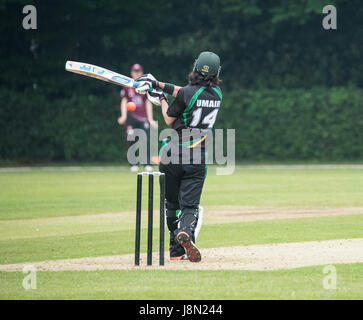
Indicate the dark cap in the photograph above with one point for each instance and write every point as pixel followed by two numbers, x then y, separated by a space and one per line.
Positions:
pixel 208 63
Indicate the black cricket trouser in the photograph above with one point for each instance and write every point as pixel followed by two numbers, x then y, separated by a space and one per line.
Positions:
pixel 184 185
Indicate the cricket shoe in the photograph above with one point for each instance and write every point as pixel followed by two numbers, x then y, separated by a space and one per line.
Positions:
pixel 192 251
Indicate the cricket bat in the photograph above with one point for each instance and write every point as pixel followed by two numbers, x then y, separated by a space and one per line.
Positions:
pixel 100 73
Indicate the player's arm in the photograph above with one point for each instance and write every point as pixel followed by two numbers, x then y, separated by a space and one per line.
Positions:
pixel 164 109
pixel 158 98
pixel 148 81
pixel 167 87
pixel 121 120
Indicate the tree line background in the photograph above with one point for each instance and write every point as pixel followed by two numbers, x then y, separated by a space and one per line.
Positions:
pixel 292 90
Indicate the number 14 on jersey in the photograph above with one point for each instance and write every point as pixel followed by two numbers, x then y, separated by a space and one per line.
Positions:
pixel 209 119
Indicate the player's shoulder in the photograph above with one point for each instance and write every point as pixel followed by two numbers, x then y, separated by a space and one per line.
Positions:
pixel 205 92
pixel 184 95
pixel 195 88
pixel 189 90
pixel 217 90
pixel 217 87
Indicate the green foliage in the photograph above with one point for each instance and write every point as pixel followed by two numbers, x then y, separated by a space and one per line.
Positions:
pixel 81 127
pixel 268 48
pixel 298 124
pixel 261 43
pixel 319 123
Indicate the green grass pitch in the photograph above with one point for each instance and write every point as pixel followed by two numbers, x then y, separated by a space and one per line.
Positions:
pixel 49 214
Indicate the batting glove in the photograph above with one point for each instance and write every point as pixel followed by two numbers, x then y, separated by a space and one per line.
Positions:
pixel 156 96
pixel 146 82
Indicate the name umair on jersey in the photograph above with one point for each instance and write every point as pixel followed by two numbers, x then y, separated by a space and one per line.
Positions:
pixel 208 103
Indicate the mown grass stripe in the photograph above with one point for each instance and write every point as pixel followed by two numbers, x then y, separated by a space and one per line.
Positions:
pixel 302 283
pixel 224 235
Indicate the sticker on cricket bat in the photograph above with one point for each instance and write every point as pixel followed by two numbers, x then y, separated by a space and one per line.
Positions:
pixel 100 73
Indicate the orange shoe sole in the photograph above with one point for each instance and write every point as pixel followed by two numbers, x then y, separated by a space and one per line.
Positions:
pixel 178 258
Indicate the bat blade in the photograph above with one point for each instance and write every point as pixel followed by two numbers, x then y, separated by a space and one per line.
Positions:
pixel 100 73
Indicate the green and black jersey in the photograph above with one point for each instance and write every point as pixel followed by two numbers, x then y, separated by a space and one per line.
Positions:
pixel 195 107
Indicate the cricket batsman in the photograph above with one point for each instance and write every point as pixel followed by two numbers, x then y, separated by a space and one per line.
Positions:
pixel 195 108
